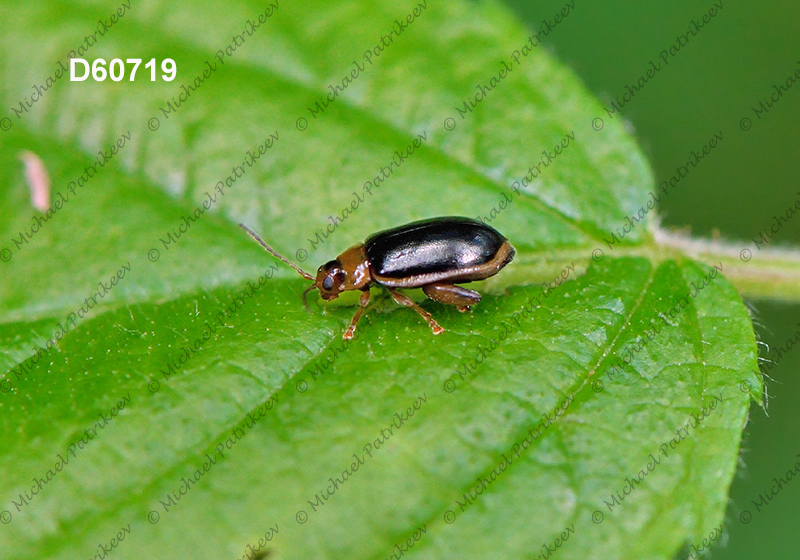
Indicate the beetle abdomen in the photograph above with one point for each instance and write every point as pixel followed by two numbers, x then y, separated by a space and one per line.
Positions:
pixel 436 245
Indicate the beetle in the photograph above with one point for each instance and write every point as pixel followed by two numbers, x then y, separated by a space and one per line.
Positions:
pixel 433 254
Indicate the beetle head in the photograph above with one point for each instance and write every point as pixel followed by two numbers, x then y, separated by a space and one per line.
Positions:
pixel 331 279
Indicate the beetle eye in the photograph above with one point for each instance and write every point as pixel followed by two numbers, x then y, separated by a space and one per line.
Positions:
pixel 327 284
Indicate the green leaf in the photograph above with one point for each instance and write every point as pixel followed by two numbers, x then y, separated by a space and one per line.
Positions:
pixel 270 392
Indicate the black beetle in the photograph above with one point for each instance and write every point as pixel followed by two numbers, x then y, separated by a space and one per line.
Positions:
pixel 432 254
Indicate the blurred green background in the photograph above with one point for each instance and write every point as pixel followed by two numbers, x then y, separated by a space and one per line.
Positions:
pixel 710 86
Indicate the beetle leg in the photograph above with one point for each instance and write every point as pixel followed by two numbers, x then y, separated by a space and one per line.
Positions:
pixel 452 295
pixel 351 330
pixel 404 300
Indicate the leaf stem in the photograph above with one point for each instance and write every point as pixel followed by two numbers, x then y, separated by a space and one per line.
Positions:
pixel 757 272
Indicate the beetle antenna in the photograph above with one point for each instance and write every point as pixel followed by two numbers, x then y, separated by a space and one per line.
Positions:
pixel 305 293
pixel 272 251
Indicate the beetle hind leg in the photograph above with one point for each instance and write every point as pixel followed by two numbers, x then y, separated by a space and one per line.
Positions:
pixel 404 300
pixel 450 294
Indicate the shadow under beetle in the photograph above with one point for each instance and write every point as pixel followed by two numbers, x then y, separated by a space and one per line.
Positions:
pixel 433 254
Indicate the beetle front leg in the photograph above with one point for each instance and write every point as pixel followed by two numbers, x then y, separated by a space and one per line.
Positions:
pixel 351 330
pixel 404 300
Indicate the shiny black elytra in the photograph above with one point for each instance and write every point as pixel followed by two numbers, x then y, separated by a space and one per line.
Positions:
pixel 433 254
